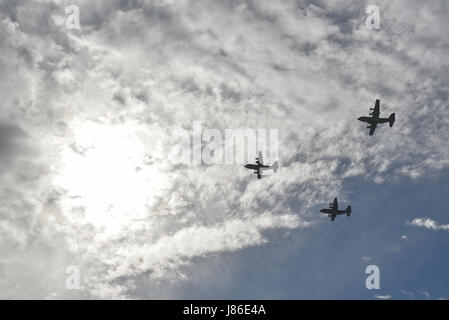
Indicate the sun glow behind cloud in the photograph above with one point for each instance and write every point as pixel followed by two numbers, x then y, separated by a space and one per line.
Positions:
pixel 104 173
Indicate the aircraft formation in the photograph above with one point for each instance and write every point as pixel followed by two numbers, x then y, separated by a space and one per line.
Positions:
pixel 373 120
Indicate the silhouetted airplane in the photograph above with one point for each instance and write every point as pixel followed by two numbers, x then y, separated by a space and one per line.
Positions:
pixel 333 212
pixel 375 120
pixel 259 166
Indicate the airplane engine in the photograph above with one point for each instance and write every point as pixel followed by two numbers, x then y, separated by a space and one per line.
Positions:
pixel 348 211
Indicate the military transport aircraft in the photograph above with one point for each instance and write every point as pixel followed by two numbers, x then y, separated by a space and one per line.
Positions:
pixel 259 166
pixel 375 120
pixel 333 211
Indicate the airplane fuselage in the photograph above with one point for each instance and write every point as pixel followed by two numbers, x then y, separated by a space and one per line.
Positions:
pixel 333 212
pixel 255 166
pixel 373 120
pixel 370 120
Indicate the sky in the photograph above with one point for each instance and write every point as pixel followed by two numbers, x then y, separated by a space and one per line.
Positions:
pixel 92 120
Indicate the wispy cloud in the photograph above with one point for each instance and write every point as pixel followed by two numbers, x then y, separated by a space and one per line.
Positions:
pixel 408 294
pixel 382 297
pixel 366 259
pixel 428 224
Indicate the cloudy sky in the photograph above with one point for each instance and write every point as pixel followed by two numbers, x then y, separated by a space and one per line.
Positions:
pixel 88 128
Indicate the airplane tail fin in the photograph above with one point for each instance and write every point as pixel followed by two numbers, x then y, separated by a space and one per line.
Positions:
pixel 392 119
pixel 275 166
pixel 348 211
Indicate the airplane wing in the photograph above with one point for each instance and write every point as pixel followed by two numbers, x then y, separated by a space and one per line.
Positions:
pixel 335 204
pixel 376 109
pixel 260 157
pixel 372 127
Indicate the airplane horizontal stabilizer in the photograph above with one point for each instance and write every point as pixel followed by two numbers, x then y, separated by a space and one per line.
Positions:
pixel 392 119
pixel 348 211
pixel 275 166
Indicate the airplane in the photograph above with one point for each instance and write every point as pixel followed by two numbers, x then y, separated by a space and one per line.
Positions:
pixel 333 211
pixel 375 119
pixel 259 166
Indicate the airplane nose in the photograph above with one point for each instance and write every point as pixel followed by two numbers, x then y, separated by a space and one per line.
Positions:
pixel 246 166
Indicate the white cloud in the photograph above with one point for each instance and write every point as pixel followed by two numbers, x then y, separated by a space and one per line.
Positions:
pixel 408 294
pixel 87 174
pixel 366 259
pixel 428 224
pixel 383 297
pixel 411 295
pixel 425 293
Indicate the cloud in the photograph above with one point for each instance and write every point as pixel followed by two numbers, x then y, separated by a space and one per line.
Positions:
pixel 428 224
pixel 408 294
pixel 383 297
pixel 170 252
pixel 88 120
pixel 425 293
pixel 411 295
pixel 366 259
